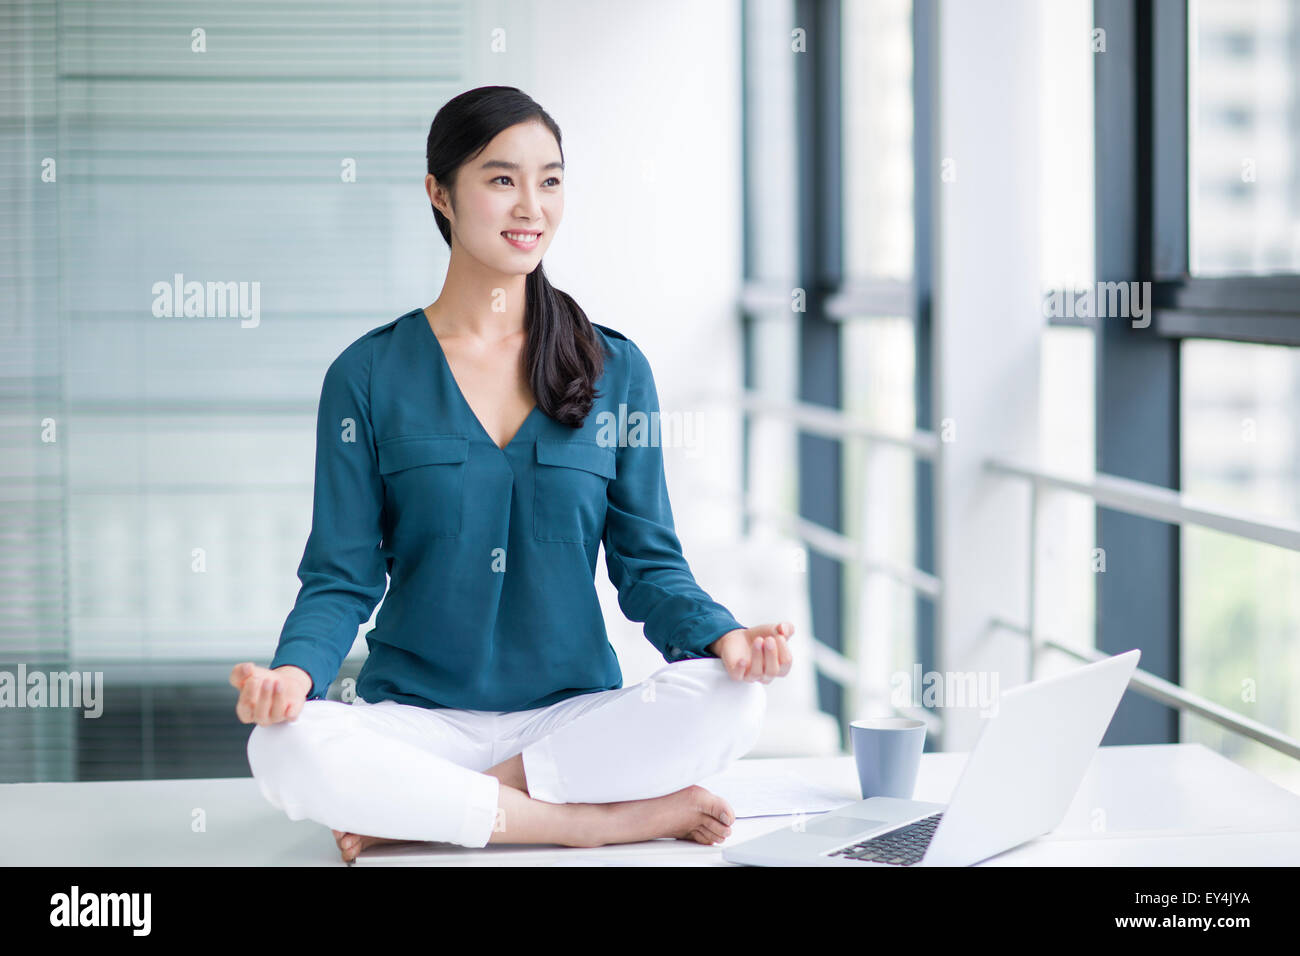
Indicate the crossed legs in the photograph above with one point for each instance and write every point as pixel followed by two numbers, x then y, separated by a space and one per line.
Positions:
pixel 614 767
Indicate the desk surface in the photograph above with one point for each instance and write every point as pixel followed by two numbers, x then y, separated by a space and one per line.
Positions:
pixel 1157 805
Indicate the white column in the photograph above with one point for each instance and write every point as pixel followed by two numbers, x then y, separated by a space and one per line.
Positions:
pixel 987 324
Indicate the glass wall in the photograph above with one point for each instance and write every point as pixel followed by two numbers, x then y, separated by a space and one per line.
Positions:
pixel 1067 239
pixel 772 247
pixel 1241 605
pixel 880 499
pixel 1243 83
pixel 877 128
pixel 877 365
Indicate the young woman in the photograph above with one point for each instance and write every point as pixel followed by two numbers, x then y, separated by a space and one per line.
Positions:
pixel 465 451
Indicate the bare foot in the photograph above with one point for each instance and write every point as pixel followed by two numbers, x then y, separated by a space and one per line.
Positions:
pixel 691 813
pixel 351 844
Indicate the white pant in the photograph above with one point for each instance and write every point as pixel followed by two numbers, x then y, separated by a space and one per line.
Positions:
pixel 414 773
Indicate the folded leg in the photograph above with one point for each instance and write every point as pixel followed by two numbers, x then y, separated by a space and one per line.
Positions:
pixel 688 720
pixel 365 769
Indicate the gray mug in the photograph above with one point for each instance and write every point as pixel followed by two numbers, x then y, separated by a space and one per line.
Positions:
pixel 887 751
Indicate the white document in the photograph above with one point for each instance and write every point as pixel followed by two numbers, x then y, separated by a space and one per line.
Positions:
pixel 757 791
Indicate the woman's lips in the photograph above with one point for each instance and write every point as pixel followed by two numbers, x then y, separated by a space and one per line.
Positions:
pixel 530 244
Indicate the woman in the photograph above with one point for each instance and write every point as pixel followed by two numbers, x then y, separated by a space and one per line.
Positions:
pixel 465 451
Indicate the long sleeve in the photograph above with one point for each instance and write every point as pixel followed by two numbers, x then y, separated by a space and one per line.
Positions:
pixel 343 568
pixel 642 552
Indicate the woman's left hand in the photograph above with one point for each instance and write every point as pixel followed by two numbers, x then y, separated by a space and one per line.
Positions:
pixel 755 653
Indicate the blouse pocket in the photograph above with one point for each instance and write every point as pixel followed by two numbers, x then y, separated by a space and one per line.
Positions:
pixel 425 476
pixel 569 493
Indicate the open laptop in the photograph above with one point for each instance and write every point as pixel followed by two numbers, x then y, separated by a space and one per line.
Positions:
pixel 1017 784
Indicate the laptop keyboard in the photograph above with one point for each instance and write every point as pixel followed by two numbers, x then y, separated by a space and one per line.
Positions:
pixel 902 847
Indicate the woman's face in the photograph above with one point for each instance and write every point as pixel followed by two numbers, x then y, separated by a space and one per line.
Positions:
pixel 514 186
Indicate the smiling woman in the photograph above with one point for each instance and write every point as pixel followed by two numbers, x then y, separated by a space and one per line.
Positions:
pixel 458 461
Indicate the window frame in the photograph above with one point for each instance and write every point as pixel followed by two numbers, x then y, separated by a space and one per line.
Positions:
pixel 1137 371
pixel 831 297
pixel 1262 309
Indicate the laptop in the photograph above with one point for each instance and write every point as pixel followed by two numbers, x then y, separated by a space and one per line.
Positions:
pixel 1018 782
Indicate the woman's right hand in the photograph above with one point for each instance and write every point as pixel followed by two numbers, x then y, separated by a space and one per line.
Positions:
pixel 269 696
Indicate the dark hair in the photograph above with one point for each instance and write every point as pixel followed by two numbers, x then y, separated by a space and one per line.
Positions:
pixel 563 353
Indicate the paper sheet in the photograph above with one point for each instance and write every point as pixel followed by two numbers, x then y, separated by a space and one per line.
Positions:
pixel 752 789
pixel 767 793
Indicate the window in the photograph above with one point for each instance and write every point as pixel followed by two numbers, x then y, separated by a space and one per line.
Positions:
pixel 1244 133
pixel 1241 606
pixel 1066 522
pixel 879 372
pixel 831 196
pixel 877 118
pixel 877 349
pixel 1197 127
pixel 769 149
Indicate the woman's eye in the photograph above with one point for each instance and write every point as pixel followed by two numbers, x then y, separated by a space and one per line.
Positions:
pixel 553 179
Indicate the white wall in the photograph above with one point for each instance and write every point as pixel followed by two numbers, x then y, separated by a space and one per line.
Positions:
pixel 987 327
pixel 647 96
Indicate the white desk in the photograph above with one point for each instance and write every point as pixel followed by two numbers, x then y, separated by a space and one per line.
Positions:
pixel 1163 805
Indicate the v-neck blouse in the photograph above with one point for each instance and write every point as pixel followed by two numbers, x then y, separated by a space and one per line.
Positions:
pixel 489 553
pixel 445 366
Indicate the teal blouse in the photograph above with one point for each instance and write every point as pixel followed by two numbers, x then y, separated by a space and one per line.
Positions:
pixel 490 553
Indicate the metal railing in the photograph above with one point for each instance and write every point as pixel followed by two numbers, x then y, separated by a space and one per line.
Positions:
pixel 1160 504
pixel 1108 491
pixel 830 423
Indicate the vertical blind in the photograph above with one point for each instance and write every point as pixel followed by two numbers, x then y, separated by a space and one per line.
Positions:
pixel 271 153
